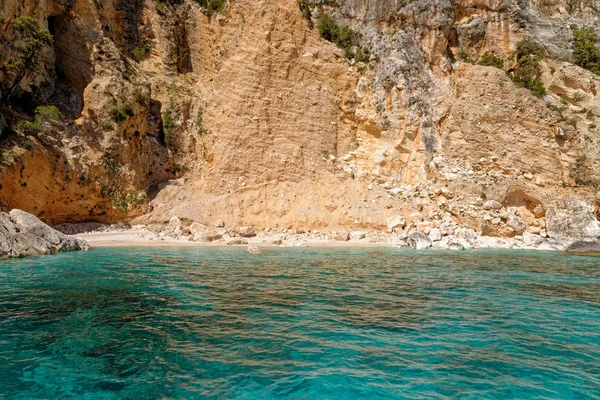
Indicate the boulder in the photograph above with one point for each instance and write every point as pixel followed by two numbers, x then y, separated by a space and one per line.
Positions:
pixel 492 205
pixel 570 219
pixel 447 193
pixel 588 247
pixel 342 236
pixel 23 234
pixel 174 228
pixel 418 241
pixel 531 239
pixel 196 228
pixel 517 225
pixel 538 211
pixel 395 221
pixel 209 235
pixel 202 233
pixel 467 234
pixel 435 235
pixel 247 231
pixel 357 235
pixel 236 241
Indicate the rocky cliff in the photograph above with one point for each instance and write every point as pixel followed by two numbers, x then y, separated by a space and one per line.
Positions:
pixel 448 113
pixel 23 234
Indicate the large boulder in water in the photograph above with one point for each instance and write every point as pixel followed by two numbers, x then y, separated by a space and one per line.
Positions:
pixel 417 240
pixel 570 219
pixel 23 234
pixel 591 247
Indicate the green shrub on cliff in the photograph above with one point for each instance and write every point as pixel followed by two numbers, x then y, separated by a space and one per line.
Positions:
pixel 140 53
pixel 200 122
pixel 491 60
pixel 344 37
pixel 328 29
pixel 27 51
pixel 528 71
pixel 43 114
pixel 585 53
pixel 528 50
pixel 120 113
pixel 169 124
pixel 465 55
pixel 212 6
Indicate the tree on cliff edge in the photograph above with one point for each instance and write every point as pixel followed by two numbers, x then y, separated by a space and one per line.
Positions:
pixel 31 40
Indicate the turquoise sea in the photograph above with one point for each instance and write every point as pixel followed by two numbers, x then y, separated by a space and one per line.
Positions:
pixel 218 323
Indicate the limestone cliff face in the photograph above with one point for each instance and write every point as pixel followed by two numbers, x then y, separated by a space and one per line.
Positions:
pixel 249 116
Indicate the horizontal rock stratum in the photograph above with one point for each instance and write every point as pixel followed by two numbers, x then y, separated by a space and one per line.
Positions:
pixel 23 234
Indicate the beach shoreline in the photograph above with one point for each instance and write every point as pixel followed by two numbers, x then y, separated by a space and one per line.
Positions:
pixel 141 237
pixel 132 239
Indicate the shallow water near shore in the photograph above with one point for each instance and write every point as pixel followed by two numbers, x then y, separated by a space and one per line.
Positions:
pixel 300 323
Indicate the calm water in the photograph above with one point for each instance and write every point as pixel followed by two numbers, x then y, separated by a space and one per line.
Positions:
pixel 301 324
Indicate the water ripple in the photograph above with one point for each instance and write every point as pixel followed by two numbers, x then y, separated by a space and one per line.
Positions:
pixel 300 323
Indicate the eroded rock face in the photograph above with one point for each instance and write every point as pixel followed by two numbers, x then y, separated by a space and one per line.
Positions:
pixel 249 118
pixel 570 219
pixel 23 234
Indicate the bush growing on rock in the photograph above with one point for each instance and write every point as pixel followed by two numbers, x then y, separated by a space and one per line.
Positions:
pixel 526 49
pixel 344 37
pixel 28 49
pixel 169 124
pixel 585 53
pixel 43 114
pixel 528 71
pixel 491 60
pixel 212 6
pixel 200 122
pixel 140 53
pixel 465 55
pixel 120 113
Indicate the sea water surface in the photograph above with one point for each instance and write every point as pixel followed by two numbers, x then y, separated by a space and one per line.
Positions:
pixel 300 324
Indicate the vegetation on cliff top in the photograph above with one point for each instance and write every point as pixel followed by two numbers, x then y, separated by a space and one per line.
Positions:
pixel 27 53
pixel 527 71
pixel 585 53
